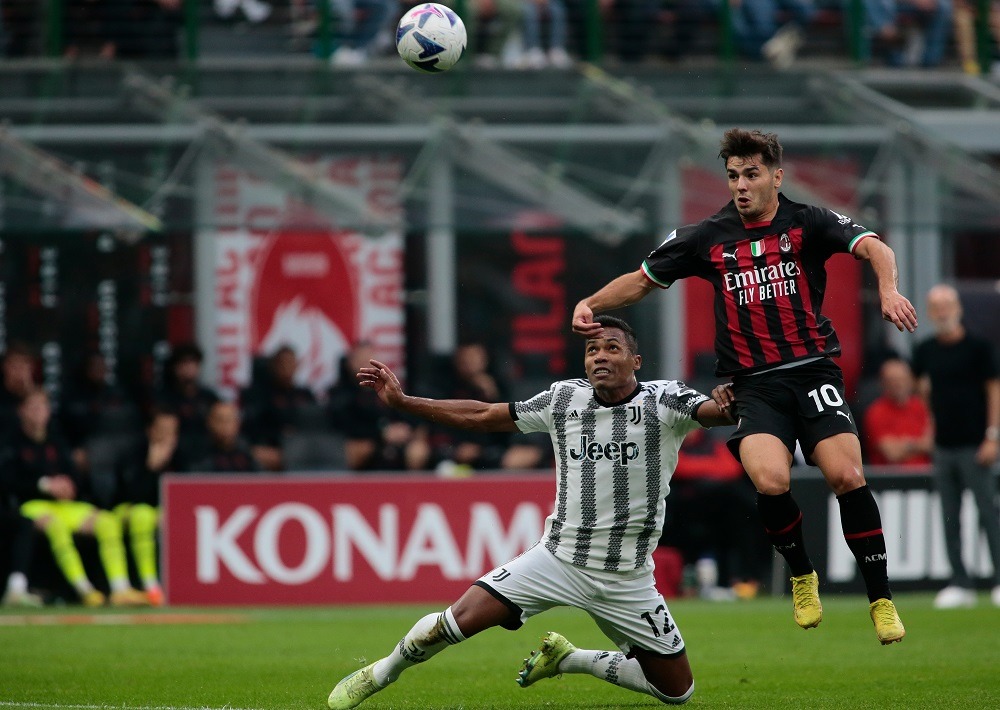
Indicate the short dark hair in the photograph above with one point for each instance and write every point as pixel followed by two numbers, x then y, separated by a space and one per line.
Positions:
pixel 745 144
pixel 614 322
pixel 185 351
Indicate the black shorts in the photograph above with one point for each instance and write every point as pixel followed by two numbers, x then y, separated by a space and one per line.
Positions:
pixel 805 403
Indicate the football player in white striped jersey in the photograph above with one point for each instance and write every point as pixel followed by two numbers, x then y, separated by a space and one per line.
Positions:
pixel 616 441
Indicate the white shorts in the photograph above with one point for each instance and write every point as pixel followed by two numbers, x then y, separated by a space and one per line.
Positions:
pixel 630 611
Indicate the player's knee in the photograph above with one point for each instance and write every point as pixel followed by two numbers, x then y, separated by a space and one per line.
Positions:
pixel 845 479
pixel 673 695
pixel 142 519
pixel 106 526
pixel 771 481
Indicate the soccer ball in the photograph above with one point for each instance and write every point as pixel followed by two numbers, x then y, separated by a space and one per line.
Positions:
pixel 431 38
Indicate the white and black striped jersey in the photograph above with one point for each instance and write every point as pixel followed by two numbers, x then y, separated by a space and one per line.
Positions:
pixel 613 468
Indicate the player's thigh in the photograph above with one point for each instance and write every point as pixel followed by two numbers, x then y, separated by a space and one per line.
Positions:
pixel 533 582
pixel 767 461
pixel 823 413
pixel 77 515
pixel 634 615
pixel 839 459
pixel 38 510
pixel 764 407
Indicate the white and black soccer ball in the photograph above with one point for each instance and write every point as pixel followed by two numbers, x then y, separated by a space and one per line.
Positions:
pixel 431 38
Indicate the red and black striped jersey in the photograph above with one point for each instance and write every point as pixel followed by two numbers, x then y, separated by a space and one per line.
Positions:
pixel 769 280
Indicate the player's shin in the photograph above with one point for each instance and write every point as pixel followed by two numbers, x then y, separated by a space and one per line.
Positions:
pixel 782 520
pixel 862 525
pixel 618 669
pixel 428 637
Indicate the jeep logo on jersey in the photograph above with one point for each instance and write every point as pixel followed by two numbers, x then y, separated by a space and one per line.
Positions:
pixel 622 451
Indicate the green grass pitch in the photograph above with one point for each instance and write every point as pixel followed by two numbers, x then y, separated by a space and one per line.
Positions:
pixel 744 655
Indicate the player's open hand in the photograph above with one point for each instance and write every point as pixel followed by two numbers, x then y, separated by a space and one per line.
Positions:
pixel 381 379
pixel 723 396
pixel 583 321
pixel 899 311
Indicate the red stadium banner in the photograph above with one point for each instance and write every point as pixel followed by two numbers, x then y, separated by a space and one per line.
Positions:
pixel 290 540
pixel 275 273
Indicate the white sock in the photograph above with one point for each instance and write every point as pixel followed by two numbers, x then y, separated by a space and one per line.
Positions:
pixel 615 668
pixel 118 585
pixel 429 636
pixel 17 583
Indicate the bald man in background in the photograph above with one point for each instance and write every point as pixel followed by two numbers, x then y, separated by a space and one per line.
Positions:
pixel 959 375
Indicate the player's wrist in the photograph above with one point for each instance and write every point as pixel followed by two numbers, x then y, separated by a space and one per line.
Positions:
pixel 992 433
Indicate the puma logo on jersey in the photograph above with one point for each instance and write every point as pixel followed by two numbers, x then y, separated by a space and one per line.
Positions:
pixel 621 451
pixel 727 255
pixel 844 414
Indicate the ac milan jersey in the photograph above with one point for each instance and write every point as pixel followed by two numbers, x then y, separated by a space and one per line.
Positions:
pixel 614 464
pixel 769 280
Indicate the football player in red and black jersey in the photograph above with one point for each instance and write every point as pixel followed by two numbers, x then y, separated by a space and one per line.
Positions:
pixel 765 256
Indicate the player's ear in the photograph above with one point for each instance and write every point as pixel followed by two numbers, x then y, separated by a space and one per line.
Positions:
pixel 637 362
pixel 778 174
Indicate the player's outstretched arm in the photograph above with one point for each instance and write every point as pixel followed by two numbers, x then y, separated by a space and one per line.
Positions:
pixel 466 414
pixel 718 411
pixel 895 307
pixel 623 291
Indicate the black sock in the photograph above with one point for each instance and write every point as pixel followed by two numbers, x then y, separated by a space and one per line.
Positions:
pixel 862 526
pixel 783 524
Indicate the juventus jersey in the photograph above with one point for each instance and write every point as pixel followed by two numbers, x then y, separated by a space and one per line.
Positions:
pixel 769 280
pixel 614 465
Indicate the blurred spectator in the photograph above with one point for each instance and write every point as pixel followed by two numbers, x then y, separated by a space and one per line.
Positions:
pixel 183 394
pixel 376 437
pixel 358 24
pixel 90 28
pixel 140 489
pixel 270 407
pixel 712 518
pixel 897 426
pixel 226 452
pixel 253 10
pixel 966 12
pixel 908 32
pixel 149 29
pixel 38 472
pixel 89 405
pixel 18 533
pixel 18 379
pixel 758 35
pixel 469 378
pixel 491 25
pixel 632 24
pixel 534 56
pixel 958 371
